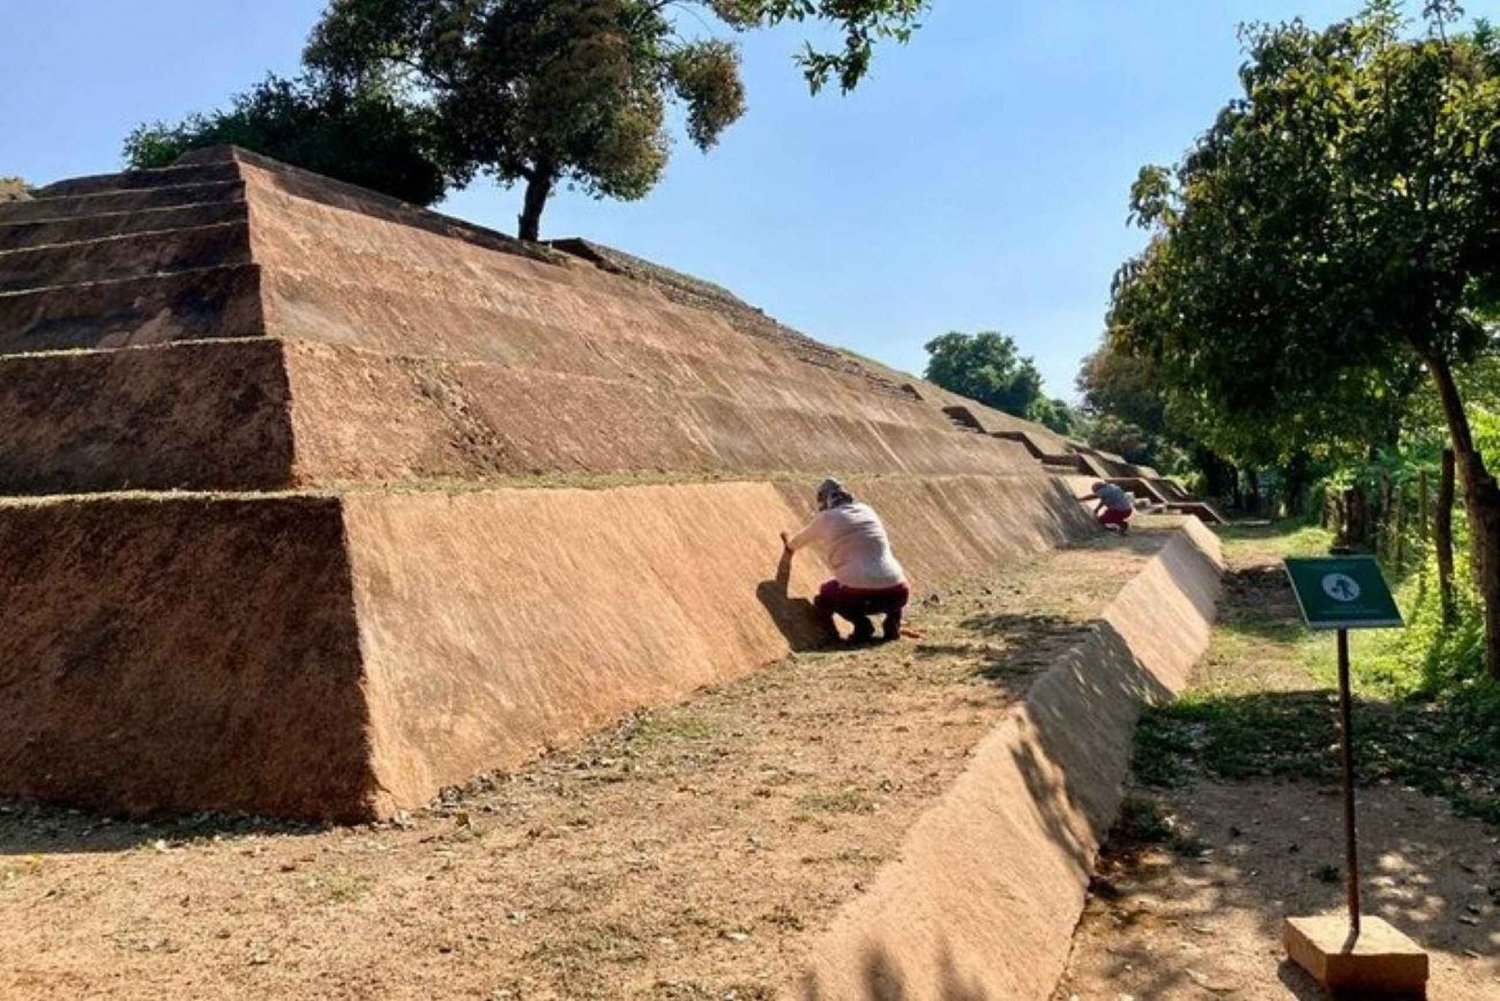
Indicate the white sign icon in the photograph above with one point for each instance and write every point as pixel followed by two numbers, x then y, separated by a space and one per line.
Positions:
pixel 1340 587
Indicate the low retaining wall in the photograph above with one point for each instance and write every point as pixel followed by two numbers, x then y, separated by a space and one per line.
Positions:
pixel 212 415
pixel 180 655
pixel 991 880
pixel 342 657
pixel 494 625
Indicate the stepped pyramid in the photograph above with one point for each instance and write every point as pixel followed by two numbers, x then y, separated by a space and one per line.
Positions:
pixel 315 502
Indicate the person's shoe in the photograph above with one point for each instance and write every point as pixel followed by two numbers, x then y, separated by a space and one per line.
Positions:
pixel 891 629
pixel 864 630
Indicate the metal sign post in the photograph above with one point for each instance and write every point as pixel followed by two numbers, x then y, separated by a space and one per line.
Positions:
pixel 1346 742
pixel 1343 593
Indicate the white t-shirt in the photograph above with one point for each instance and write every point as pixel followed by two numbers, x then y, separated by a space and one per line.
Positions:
pixel 852 541
pixel 1114 498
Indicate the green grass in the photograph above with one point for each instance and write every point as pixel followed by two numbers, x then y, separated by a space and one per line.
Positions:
pixel 1294 735
pixel 849 799
pixel 654 730
pixel 1145 820
pixel 1291 537
pixel 16 870
pixel 1425 715
pixel 339 886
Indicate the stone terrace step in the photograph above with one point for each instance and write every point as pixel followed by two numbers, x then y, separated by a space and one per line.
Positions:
pixel 132 256
pixel 187 305
pixel 132 180
pixel 25 235
pixel 74 206
pixel 1073 463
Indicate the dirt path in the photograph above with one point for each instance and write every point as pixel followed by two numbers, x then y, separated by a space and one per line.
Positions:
pixel 691 853
pixel 1193 889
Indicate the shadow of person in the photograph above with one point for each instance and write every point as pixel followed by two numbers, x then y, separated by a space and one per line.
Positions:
pixel 794 617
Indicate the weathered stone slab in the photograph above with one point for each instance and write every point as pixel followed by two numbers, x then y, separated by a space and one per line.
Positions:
pixel 204 416
pixel 133 180
pixel 188 305
pixel 18 236
pixel 71 206
pixel 135 255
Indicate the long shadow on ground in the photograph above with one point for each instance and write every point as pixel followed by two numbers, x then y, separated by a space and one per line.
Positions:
pixel 28 828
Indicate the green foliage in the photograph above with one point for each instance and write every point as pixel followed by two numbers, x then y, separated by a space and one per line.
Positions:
pixel 1124 386
pixel 531 89
pixel 1293 537
pixel 1328 236
pixel 1126 407
pixel 985 367
pixel 577 91
pixel 1055 414
pixel 13 189
pixel 361 135
pixel 863 23
pixel 1486 424
pixel 1425 658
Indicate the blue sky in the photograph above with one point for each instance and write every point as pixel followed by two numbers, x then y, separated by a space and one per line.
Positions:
pixel 977 180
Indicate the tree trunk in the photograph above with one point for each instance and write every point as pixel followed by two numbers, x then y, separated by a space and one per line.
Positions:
pixel 1383 522
pixel 1398 527
pixel 1218 476
pixel 1482 502
pixel 1294 487
pixel 1424 524
pixel 1343 537
pixel 1442 538
pixel 1356 518
pixel 1333 511
pixel 538 190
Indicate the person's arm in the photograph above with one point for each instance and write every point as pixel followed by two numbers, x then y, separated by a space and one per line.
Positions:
pixel 808 535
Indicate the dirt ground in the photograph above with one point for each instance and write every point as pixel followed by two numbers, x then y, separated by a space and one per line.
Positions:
pixel 690 853
pixel 1200 915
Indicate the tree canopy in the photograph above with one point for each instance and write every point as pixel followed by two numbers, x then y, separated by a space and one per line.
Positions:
pixel 413 97
pixel 13 189
pixel 1125 404
pixel 1056 414
pixel 543 92
pixel 362 135
pixel 987 367
pixel 1329 242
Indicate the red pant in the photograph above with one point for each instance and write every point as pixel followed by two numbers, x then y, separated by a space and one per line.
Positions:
pixel 1109 516
pixel 858 604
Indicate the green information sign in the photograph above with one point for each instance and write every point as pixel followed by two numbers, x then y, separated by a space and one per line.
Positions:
pixel 1343 592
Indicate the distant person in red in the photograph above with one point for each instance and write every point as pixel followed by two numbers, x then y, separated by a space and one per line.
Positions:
pixel 867 579
pixel 1115 507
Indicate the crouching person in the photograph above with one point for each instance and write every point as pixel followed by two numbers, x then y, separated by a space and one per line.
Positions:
pixel 1115 507
pixel 867 579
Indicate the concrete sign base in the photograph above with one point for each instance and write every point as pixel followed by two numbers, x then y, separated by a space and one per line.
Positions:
pixel 1381 960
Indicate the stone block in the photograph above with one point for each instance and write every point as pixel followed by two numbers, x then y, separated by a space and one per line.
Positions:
pixel 1380 960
